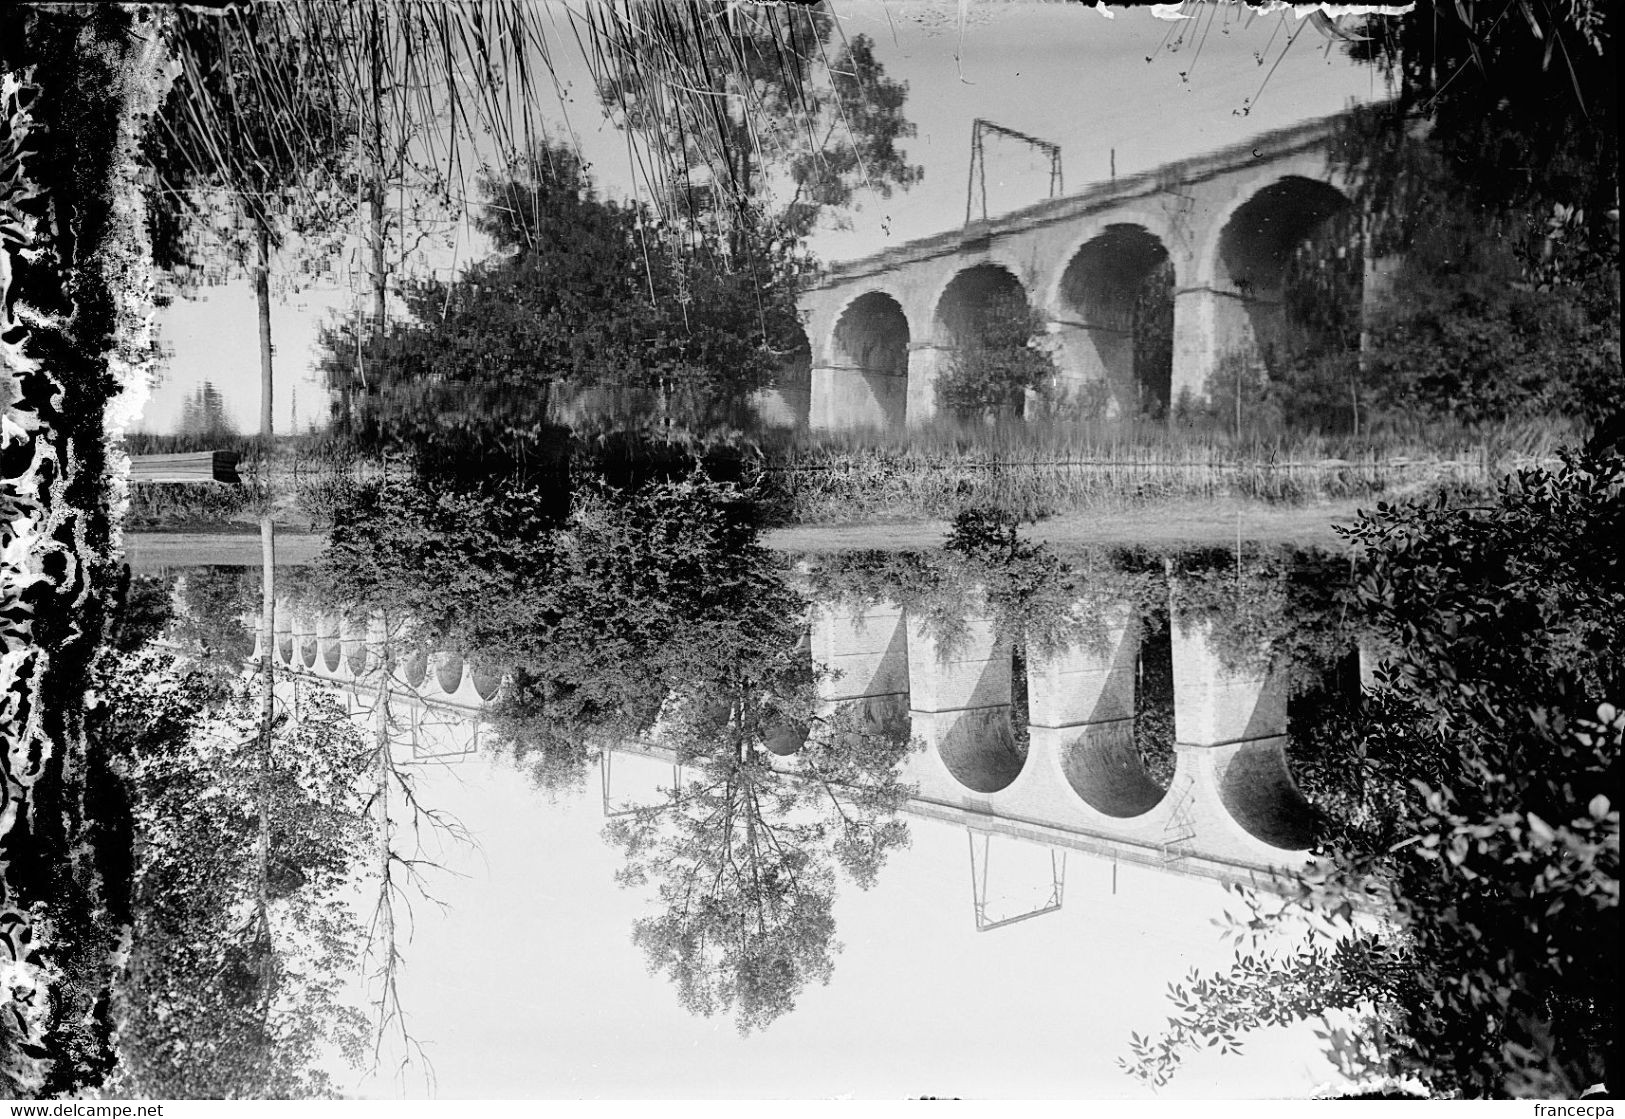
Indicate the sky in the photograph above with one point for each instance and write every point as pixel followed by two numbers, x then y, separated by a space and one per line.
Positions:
pixel 1125 85
pixel 525 983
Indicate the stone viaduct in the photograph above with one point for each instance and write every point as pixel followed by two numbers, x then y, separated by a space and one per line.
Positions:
pixel 880 329
pixel 1231 810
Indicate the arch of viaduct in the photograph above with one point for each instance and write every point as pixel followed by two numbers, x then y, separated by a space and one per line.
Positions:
pixel 882 328
pixel 1230 810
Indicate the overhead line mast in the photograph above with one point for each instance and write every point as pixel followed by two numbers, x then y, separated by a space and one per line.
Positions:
pixel 978 164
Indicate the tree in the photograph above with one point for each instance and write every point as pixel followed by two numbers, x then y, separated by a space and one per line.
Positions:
pixel 748 104
pixel 72 81
pixel 253 122
pixel 1508 297
pixel 582 294
pixel 203 415
pixel 654 613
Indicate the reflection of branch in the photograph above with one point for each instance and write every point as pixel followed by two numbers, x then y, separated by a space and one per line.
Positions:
pixel 400 875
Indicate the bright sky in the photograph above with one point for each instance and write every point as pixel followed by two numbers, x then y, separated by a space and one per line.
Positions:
pixel 1063 73
pixel 527 984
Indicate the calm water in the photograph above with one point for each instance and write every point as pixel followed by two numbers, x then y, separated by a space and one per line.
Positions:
pixel 997 800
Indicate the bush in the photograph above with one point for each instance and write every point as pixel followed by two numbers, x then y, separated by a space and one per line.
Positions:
pixel 998 363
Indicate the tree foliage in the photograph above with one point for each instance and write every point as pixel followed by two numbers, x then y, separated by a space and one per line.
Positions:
pixel 228 993
pixel 1473 809
pixel 581 294
pixel 756 103
pixel 253 134
pixel 1505 210
pixel 743 856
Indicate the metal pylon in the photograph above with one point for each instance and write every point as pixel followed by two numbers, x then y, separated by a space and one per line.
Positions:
pixel 978 163
pixel 978 879
pixel 605 771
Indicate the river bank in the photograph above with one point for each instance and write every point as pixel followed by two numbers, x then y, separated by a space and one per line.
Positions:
pixel 1175 523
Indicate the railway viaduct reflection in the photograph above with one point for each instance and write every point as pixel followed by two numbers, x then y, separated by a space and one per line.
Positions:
pixel 1074 780
pixel 1079 781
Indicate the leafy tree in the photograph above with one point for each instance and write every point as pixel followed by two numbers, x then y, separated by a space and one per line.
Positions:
pixel 1471 332
pixel 1508 297
pixel 755 105
pixel 1478 820
pixel 203 414
pixel 655 612
pixel 207 624
pixel 251 121
pixel 75 79
pixel 641 592
pixel 582 294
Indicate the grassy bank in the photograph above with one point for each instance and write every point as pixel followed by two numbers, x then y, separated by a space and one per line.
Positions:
pixel 1032 470
pixel 1035 471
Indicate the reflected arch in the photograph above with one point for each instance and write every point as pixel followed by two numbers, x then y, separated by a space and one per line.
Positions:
pixel 1258 791
pixel 283 633
pixel 448 672
pixel 486 683
pixel 1116 302
pixel 979 750
pixel 357 654
pixel 1104 768
pixel 783 738
pixel 415 667
pixel 305 639
pixel 329 634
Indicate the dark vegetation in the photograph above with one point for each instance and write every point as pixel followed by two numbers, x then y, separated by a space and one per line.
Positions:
pixel 64 827
pixel 1478 820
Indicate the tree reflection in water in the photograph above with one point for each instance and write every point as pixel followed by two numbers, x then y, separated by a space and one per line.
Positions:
pixel 743 857
pixel 653 616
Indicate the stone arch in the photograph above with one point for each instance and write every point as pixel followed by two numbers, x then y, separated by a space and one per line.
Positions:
pixel 963 305
pixel 979 750
pixel 1116 288
pixel 1104 768
pixel 981 303
pixel 866 380
pixel 1253 247
pixel 1258 791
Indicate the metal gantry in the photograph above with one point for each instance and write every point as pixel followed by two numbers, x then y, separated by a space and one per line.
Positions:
pixel 978 879
pixel 978 163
